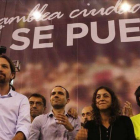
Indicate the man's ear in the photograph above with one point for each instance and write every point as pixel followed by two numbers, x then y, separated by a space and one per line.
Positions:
pixel 12 76
pixel 68 100
pixel 44 109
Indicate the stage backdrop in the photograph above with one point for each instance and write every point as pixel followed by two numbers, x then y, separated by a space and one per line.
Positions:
pixel 79 44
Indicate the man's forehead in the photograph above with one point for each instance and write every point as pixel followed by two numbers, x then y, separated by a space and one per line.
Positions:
pixel 87 109
pixel 35 99
pixel 4 61
pixel 59 89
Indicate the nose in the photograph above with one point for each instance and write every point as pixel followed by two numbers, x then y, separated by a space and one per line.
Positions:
pixel 34 105
pixel 1 70
pixel 102 98
pixel 85 117
pixel 85 120
pixel 56 95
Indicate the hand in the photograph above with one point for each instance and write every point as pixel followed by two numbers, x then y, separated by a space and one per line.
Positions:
pixel 62 119
pixel 82 134
pixel 127 109
pixel 72 112
pixel 19 136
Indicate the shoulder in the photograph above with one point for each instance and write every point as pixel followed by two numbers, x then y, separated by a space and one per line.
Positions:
pixel 19 98
pixel 39 120
pixel 18 95
pixel 123 118
pixel 136 117
pixel 41 117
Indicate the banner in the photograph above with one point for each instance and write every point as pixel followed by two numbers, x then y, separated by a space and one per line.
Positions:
pixel 78 44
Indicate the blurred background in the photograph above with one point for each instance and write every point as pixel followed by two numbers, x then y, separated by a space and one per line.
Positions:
pixel 80 68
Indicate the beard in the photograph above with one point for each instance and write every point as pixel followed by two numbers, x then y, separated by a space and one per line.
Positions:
pixel 2 79
pixel 58 106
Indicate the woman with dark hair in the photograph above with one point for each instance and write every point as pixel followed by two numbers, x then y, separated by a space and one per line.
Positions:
pixel 104 100
pixel 108 124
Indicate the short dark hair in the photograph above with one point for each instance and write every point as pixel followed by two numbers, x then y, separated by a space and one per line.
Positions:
pixel 137 94
pixel 39 96
pixel 67 93
pixel 12 66
pixel 115 107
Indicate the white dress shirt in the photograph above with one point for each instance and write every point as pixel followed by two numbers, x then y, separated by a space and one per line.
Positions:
pixel 14 115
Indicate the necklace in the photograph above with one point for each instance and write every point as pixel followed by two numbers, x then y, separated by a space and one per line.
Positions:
pixel 101 134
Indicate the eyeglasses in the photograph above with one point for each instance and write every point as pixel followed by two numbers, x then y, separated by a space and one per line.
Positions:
pixel 37 103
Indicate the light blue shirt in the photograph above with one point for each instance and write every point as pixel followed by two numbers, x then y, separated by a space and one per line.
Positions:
pixel 45 127
pixel 14 115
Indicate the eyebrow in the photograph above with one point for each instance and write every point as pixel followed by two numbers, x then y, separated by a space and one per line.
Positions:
pixel 57 91
pixel 35 101
pixel 4 64
pixel 103 93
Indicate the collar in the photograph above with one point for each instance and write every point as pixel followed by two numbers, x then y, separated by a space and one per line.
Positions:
pixel 10 94
pixel 51 114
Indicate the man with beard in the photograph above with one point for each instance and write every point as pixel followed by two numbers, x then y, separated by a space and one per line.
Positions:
pixel 14 107
pixel 38 106
pixel 87 114
pixel 57 124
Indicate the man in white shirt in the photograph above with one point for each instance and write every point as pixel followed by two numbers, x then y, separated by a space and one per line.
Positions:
pixel 57 124
pixel 14 107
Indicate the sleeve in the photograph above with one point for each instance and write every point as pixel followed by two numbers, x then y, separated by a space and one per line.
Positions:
pixel 130 129
pixel 24 121
pixel 35 129
pixel 136 124
pixel 77 127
